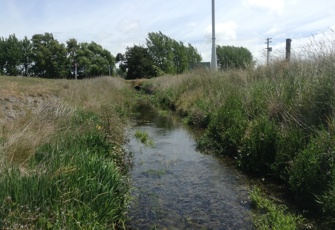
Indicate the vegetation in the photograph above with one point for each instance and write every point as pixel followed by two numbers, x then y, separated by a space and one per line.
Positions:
pixel 65 136
pixel 43 56
pixel 170 56
pixel 144 138
pixel 62 165
pixel 273 215
pixel 162 55
pixel 138 63
pixel 230 57
pixel 277 121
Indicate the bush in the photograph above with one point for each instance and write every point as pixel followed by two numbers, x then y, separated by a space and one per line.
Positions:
pixel 313 171
pixel 226 128
pixel 288 144
pixel 259 145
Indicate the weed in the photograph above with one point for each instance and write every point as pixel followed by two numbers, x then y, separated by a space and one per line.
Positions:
pixel 271 215
pixel 144 138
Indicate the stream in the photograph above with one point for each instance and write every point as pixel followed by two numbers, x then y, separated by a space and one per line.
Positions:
pixel 178 187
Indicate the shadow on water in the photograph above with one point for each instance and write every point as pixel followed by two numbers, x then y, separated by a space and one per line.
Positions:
pixel 178 187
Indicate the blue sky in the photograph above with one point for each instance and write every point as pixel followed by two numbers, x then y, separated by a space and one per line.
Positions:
pixel 116 24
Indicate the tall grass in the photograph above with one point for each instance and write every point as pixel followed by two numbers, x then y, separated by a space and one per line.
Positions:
pixel 62 164
pixel 274 120
pixel 272 215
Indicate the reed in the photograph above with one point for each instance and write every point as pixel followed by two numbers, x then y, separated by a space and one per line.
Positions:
pixel 274 120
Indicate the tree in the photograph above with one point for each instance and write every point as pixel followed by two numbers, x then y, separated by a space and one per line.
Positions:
pixel 15 55
pixel 138 63
pixel 72 48
pixel 2 56
pixel 27 51
pixel 121 71
pixel 230 57
pixel 93 60
pixel 180 59
pixel 160 49
pixel 193 56
pixel 11 55
pixel 170 56
pixel 49 57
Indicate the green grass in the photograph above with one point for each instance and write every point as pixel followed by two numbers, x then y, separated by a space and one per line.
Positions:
pixel 76 181
pixel 271 215
pixel 275 120
pixel 62 161
pixel 144 138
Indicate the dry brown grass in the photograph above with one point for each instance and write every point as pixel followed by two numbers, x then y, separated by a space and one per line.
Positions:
pixel 32 109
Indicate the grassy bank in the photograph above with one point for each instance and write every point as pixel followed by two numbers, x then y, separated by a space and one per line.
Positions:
pixel 276 121
pixel 62 165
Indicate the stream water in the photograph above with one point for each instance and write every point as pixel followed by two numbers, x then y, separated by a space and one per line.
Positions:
pixel 178 187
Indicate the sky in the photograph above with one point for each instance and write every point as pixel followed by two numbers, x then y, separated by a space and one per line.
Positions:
pixel 118 24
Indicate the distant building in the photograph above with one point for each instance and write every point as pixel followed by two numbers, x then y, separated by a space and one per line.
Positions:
pixel 202 65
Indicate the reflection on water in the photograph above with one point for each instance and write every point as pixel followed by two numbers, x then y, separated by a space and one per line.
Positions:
pixel 177 187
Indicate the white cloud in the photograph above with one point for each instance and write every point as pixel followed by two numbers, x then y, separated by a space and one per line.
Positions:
pixel 223 31
pixel 275 29
pixel 276 6
pixel 128 26
pixel 118 24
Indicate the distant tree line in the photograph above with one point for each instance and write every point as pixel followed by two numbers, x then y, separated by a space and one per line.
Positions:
pixel 161 55
pixel 43 56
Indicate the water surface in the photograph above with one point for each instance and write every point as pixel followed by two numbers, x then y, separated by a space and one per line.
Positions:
pixel 178 187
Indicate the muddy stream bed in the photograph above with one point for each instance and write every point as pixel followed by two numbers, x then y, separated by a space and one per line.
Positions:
pixel 178 187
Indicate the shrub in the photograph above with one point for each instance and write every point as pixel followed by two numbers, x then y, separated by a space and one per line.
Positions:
pixel 259 145
pixel 313 171
pixel 226 128
pixel 288 144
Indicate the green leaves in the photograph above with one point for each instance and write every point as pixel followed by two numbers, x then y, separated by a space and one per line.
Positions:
pixel 230 57
pixel 44 56
pixel 11 55
pixel 138 63
pixel 49 56
pixel 170 56
pixel 93 59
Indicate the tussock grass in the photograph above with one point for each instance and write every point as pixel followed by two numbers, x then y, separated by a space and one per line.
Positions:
pixel 61 161
pixel 274 120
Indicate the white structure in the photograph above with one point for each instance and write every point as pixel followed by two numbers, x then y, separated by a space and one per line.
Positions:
pixel 214 58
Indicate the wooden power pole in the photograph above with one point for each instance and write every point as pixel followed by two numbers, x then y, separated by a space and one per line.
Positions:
pixel 288 49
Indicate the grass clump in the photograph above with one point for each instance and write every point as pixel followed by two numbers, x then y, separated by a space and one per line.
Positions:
pixel 144 138
pixel 275 120
pixel 75 177
pixel 272 215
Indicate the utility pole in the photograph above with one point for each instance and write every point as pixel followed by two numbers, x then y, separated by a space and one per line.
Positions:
pixel 214 58
pixel 288 49
pixel 269 49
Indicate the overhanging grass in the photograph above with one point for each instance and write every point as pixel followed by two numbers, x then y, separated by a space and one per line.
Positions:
pixel 76 181
pixel 62 164
pixel 269 119
pixel 271 215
